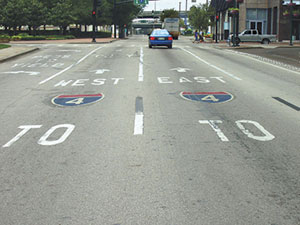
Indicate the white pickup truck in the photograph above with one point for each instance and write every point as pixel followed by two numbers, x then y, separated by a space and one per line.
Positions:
pixel 254 36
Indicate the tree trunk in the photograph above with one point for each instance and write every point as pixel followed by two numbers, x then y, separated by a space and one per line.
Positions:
pixel 29 30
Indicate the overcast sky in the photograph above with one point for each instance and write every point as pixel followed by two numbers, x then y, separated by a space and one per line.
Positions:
pixel 170 4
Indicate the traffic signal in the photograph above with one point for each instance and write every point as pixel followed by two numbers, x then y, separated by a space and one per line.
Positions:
pixel 217 18
pixel 98 2
pixel 94 12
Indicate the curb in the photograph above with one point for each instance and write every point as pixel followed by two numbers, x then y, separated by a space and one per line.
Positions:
pixel 19 54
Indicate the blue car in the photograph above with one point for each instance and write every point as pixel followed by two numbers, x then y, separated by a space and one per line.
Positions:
pixel 160 37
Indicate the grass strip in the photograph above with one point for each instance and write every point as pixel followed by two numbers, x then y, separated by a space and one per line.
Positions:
pixel 2 46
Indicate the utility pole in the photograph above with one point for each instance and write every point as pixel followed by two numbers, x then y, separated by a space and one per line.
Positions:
pixel 185 17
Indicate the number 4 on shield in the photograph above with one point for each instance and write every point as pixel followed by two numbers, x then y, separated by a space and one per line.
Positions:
pixel 75 101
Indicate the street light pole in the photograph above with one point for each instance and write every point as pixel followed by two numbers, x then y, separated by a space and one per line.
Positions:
pixel 291 22
pixel 234 17
pixel 114 19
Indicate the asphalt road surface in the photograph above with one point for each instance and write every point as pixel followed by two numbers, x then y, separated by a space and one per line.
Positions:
pixel 122 134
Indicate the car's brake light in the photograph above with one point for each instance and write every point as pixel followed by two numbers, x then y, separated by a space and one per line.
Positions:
pixel 170 38
pixel 152 38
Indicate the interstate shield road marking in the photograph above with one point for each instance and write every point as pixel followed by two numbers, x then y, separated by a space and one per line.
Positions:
pixel 76 100
pixel 208 97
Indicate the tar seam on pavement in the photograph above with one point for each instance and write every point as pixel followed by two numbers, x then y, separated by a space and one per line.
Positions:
pixel 287 103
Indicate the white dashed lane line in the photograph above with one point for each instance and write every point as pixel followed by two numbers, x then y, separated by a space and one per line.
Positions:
pixel 139 117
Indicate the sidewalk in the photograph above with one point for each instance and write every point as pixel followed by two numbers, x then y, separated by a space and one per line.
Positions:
pixel 68 41
pixel 252 45
pixel 15 50
pixel 278 53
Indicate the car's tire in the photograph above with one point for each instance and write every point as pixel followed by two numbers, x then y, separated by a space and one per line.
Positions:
pixel 150 46
pixel 169 46
pixel 265 41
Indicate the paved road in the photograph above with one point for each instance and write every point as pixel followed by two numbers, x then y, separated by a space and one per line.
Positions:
pixel 143 152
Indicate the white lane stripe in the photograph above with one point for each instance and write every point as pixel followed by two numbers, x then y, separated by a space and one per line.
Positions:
pixel 83 58
pixel 138 123
pixel 141 72
pixel 211 65
pixel 57 74
pixel 69 67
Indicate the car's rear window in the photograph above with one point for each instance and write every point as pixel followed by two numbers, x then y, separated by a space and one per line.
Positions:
pixel 160 32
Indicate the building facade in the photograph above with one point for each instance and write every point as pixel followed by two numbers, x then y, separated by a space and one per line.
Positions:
pixel 267 16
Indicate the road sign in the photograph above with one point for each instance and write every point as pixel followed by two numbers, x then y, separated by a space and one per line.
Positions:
pixel 76 100
pixel 141 2
pixel 208 97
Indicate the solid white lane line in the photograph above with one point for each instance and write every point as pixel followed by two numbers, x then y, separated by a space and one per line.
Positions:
pixel 69 67
pixel 138 123
pixel 141 64
pixel 211 65
pixel 83 58
pixel 57 74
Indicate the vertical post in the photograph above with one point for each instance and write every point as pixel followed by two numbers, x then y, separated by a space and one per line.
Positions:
pixel 114 19
pixel 94 19
pixel 234 27
pixel 216 27
pixel 185 17
pixel 291 23
pixel 237 19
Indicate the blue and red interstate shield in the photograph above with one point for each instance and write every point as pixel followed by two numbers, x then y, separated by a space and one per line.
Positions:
pixel 76 100
pixel 208 97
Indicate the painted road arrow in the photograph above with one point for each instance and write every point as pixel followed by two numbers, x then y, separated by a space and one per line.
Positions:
pixel 101 71
pixel 181 70
pixel 31 73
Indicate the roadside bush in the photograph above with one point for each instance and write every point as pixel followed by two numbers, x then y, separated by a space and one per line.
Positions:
pixel 208 35
pixel 23 34
pixel 30 38
pixel 16 38
pixel 4 36
pixel 59 37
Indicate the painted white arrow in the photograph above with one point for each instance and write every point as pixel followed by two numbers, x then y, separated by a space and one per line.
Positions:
pixel 180 70
pixel 101 71
pixel 31 73
pixel 129 55
pixel 69 50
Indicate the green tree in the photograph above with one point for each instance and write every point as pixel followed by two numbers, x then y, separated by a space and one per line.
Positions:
pixel 125 14
pixel 181 23
pixel 14 14
pixel 199 16
pixel 82 11
pixel 169 13
pixel 62 15
pixel 48 5
pixel 35 14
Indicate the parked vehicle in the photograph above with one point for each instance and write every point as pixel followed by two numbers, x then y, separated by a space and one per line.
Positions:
pixel 172 25
pixel 160 37
pixel 252 35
